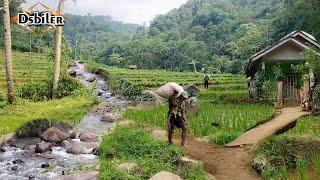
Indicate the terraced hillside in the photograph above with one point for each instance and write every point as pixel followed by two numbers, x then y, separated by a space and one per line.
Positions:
pixel 27 67
pixel 155 78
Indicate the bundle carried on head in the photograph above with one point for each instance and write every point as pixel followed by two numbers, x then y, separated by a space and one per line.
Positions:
pixel 169 89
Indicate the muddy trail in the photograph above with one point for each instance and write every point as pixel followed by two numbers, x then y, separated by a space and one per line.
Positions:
pixel 222 162
pixel 18 162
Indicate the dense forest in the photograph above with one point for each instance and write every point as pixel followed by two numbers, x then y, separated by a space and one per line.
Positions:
pixel 209 35
pixel 214 35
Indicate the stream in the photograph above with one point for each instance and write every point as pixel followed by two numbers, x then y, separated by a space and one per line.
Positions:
pixel 19 164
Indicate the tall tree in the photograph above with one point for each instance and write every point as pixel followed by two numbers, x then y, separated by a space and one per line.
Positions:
pixel 8 51
pixel 57 62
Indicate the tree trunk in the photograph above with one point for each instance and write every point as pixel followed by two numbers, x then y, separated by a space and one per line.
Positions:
pixel 57 63
pixel 8 51
pixel 194 68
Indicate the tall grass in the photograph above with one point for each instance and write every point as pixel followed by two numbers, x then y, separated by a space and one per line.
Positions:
pixel 302 168
pixel 233 119
pixel 309 126
pixel 126 145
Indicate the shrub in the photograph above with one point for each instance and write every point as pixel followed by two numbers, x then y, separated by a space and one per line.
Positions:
pixel 132 92
pixel 42 91
pixel 34 128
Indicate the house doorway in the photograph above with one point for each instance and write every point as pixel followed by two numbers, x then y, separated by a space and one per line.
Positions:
pixel 291 91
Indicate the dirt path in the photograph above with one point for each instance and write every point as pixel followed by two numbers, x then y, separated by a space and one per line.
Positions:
pixel 254 136
pixel 222 162
pixel 233 162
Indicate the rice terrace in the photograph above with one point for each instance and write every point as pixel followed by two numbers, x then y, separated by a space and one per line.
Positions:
pixel 170 90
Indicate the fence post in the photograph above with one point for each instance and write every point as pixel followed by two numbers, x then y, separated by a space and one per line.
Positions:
pixel 280 94
pixel 306 89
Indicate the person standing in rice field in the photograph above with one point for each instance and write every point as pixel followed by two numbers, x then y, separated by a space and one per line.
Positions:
pixel 207 80
pixel 176 117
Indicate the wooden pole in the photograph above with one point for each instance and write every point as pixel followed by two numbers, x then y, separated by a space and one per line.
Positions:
pixel 280 95
pixel 8 51
pixel 58 41
pixel 306 89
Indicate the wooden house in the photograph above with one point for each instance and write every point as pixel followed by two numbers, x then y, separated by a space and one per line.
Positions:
pixel 285 54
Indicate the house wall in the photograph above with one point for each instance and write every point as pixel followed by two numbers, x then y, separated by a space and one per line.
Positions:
pixel 285 53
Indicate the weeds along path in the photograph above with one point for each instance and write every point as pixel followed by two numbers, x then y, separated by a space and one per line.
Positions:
pixel 255 135
pixel 222 162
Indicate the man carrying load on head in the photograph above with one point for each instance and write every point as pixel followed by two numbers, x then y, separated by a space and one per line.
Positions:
pixel 176 116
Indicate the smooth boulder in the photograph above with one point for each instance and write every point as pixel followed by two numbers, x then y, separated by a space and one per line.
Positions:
pixel 163 175
pixel 43 147
pixel 77 149
pixel 131 168
pixel 54 135
pixel 89 137
pixel 108 117
pixel 66 128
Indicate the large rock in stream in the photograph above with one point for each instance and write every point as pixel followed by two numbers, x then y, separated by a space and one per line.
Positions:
pixel 89 137
pixel 54 135
pixel 108 117
pixel 43 147
pixel 58 133
pixel 77 149
pixel 66 128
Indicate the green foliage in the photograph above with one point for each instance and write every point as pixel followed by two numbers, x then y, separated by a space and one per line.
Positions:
pixel 316 99
pixel 133 92
pixel 232 119
pixel 264 88
pixel 42 91
pixel 302 168
pixel 125 145
pixel 34 128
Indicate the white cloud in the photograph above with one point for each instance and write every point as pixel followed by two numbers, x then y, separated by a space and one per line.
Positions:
pixel 129 11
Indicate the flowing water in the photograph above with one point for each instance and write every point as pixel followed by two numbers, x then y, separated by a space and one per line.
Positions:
pixel 17 164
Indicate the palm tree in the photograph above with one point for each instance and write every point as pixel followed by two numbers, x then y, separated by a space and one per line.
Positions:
pixel 8 51
pixel 194 64
pixel 57 62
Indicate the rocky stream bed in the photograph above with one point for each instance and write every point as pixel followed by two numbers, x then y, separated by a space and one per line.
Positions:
pixel 64 149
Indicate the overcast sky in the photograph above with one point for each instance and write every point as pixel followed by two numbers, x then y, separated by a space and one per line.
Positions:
pixel 129 11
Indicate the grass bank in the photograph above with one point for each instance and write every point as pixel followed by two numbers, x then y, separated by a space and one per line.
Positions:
pixel 126 145
pixel 70 109
pixel 296 153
